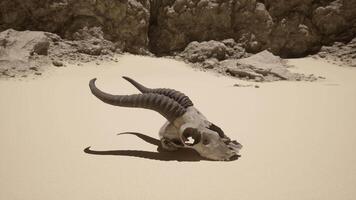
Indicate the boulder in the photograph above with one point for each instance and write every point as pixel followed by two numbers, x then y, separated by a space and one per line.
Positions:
pixel 17 50
pixel 252 25
pixel 219 50
pixel 15 45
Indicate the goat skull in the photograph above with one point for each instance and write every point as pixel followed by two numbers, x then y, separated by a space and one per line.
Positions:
pixel 186 126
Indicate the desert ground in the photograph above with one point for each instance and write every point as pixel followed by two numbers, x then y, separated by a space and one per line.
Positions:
pixel 298 138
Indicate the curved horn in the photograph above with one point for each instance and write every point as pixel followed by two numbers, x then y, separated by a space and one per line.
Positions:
pixel 179 97
pixel 165 106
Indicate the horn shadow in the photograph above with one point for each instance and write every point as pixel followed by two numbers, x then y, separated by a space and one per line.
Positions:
pixel 181 155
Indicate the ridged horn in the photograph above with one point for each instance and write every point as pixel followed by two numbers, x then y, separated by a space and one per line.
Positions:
pixel 179 97
pixel 167 107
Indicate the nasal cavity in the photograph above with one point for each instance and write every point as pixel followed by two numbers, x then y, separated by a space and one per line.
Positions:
pixel 217 129
pixel 234 157
pixel 191 136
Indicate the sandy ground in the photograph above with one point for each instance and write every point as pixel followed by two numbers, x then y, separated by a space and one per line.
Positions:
pixel 299 137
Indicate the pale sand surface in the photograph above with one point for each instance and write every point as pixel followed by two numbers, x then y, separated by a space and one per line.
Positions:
pixel 299 137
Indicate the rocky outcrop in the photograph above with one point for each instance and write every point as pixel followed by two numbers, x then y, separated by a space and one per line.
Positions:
pixel 263 66
pixel 213 50
pixel 303 26
pixel 229 58
pixel 16 45
pixel 123 21
pixel 179 22
pixel 336 20
pixel 289 28
pixel 18 48
pixel 252 25
pixel 292 28
pixel 27 52
pixel 340 53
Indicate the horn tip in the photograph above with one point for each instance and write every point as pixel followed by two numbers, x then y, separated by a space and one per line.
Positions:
pixel 92 83
pixel 93 80
pixel 126 78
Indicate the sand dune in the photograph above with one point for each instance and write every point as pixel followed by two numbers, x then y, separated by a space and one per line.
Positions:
pixel 299 137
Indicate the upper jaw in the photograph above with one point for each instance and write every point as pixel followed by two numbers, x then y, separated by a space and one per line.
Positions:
pixel 231 156
pixel 231 153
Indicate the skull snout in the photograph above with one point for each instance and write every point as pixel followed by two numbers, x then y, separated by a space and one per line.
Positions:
pixel 210 144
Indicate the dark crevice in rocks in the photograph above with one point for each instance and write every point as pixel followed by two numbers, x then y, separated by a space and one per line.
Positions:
pixel 153 23
pixel 232 15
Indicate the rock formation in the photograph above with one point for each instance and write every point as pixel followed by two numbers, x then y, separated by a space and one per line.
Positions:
pixel 263 66
pixel 340 53
pixel 213 50
pixel 17 50
pixel 289 28
pixel 26 52
pixel 123 21
pixel 210 33
pixel 228 58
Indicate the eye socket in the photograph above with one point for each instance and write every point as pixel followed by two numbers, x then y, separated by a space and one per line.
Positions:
pixel 191 136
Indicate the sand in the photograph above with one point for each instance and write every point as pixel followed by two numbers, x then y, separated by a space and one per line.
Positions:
pixel 299 137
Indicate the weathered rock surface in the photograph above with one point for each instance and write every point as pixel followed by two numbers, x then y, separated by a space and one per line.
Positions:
pixel 16 45
pixel 203 31
pixel 340 53
pixel 263 66
pixel 176 23
pixel 91 42
pixel 211 51
pixel 17 50
pixel 123 21
pixel 26 52
pixel 289 28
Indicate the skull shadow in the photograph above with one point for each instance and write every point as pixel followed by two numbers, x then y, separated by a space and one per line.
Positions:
pixel 181 155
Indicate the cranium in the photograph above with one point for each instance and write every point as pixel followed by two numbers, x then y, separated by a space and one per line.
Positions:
pixel 186 126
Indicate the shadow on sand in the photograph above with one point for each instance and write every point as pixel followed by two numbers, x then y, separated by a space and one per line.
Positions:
pixel 181 155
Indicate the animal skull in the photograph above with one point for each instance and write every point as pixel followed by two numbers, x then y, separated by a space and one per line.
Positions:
pixel 186 126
